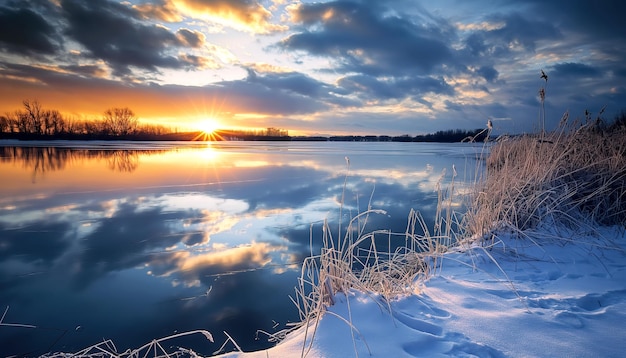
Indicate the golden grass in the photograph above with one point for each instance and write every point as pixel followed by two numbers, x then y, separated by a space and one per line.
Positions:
pixel 356 262
pixel 573 176
pixel 154 349
pixel 362 261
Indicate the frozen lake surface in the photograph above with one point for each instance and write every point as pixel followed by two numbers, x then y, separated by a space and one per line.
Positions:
pixel 132 241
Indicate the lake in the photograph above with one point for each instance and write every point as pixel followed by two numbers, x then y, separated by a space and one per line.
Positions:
pixel 133 241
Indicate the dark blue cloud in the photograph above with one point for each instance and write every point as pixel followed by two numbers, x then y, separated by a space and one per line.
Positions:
pixel 361 39
pixel 595 20
pixel 85 70
pixel 109 32
pixel 382 54
pixel 620 72
pixel 489 73
pixel 520 30
pixel 289 81
pixel 268 94
pixel 26 32
pixel 372 88
pixel 570 69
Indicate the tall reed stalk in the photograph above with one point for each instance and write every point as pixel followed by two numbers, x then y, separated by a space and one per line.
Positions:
pixel 574 176
pixel 363 261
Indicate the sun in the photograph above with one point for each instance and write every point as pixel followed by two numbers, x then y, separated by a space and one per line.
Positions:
pixel 209 129
pixel 208 126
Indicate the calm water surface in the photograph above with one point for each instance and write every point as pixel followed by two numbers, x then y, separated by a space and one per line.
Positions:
pixel 136 241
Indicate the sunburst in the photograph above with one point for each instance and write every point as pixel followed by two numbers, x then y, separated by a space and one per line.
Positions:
pixel 209 130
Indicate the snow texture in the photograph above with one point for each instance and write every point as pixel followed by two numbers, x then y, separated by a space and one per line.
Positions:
pixel 537 296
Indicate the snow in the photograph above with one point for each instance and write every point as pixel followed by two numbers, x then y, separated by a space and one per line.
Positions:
pixel 553 293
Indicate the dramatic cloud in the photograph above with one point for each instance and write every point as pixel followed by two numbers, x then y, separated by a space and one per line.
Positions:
pixel 245 15
pixel 292 82
pixel 101 27
pixel 191 38
pixel 518 34
pixel 594 20
pixel 489 73
pixel 276 93
pixel 575 70
pixel 371 88
pixel 163 10
pixel 92 71
pixel 360 39
pixel 392 66
pixel 26 32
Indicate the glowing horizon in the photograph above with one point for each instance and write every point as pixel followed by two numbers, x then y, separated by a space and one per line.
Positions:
pixel 315 67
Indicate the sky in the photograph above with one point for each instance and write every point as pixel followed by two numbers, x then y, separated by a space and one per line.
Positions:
pixel 389 67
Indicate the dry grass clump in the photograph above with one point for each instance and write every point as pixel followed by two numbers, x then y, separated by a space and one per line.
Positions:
pixel 357 263
pixel 154 349
pixel 363 261
pixel 574 175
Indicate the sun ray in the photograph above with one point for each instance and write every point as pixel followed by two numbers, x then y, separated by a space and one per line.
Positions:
pixel 208 130
pixel 208 126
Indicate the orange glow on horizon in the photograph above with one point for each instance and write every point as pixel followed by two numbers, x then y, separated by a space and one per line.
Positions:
pixel 152 107
pixel 208 126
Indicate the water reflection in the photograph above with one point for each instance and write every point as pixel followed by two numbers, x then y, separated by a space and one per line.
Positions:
pixel 40 160
pixel 135 241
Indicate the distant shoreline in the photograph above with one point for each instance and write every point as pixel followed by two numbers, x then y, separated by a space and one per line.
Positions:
pixel 451 136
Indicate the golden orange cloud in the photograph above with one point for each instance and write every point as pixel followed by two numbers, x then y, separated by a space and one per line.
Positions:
pixel 191 38
pixel 219 261
pixel 267 68
pixel 199 62
pixel 165 12
pixel 244 15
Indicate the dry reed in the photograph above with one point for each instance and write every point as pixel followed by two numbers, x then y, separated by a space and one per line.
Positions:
pixel 363 261
pixel 573 176
pixel 154 349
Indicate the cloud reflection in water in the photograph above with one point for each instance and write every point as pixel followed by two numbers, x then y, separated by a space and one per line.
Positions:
pixel 146 232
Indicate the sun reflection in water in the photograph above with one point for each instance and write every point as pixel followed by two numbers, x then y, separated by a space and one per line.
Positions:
pixel 209 153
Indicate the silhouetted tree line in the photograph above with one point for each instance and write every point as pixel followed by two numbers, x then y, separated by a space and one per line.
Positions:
pixel 35 122
pixel 269 134
pixel 456 135
pixel 453 135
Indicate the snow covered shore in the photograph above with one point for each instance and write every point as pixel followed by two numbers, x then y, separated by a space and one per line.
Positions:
pixel 563 298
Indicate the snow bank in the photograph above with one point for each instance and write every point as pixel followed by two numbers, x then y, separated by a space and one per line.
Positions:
pixel 563 298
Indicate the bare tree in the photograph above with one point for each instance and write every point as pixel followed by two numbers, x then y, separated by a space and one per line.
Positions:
pixel 55 124
pixel 73 126
pixel 120 121
pixel 93 127
pixel 22 122
pixel 34 117
pixel 5 124
pixel 34 120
